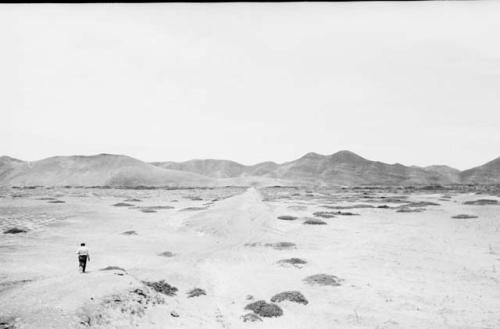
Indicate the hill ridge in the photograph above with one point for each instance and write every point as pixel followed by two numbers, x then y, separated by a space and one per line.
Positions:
pixel 340 168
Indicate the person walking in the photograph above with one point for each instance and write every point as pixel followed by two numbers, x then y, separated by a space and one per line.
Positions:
pixel 83 257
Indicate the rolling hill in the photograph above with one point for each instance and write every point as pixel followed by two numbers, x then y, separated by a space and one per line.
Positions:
pixel 96 170
pixel 347 168
pixel 449 174
pixel 219 168
pixel 206 167
pixel 8 165
pixel 489 173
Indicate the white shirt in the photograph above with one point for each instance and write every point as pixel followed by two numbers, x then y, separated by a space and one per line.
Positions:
pixel 83 251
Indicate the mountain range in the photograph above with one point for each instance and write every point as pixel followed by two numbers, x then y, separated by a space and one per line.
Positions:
pixel 343 168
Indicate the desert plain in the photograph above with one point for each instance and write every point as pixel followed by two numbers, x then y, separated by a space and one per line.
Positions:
pixel 249 257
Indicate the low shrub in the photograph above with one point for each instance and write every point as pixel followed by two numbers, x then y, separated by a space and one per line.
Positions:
pixel 129 233
pixel 346 213
pixel 422 204
pixel 314 221
pixel 157 207
pixel 112 268
pixel 194 208
pixel 162 287
pixel 123 204
pixel 324 214
pixel 281 245
pixel 482 202
pixel 251 317
pixel 292 296
pixel 287 217
pixel 409 210
pixel 323 280
pixel 264 309
pixel 196 292
pixel 464 216
pixel 293 261
pixel 15 230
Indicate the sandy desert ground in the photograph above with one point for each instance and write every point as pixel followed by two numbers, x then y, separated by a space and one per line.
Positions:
pixel 389 259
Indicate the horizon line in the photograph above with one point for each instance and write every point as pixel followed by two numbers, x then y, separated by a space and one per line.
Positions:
pixel 239 163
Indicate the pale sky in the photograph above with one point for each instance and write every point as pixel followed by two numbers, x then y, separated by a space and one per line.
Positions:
pixel 415 83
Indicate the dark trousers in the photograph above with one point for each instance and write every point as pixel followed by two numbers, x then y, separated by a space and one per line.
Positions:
pixel 82 259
